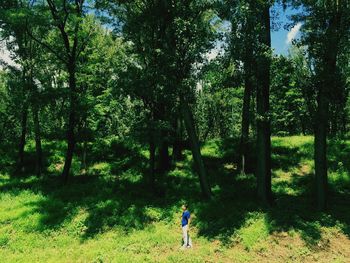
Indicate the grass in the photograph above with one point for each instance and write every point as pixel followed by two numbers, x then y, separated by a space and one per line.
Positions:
pixel 107 213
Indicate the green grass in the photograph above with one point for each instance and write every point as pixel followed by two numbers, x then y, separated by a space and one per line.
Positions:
pixel 255 230
pixel 108 213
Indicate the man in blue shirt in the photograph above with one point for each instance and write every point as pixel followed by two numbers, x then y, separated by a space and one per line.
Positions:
pixel 185 223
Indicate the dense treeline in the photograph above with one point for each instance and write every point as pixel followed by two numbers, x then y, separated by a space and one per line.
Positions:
pixel 142 72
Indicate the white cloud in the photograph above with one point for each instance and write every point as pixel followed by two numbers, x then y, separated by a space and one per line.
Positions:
pixel 212 54
pixel 5 56
pixel 293 33
pixel 216 51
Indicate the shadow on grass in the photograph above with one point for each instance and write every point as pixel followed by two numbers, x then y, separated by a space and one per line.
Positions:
pixel 104 203
pixel 222 217
pixel 124 200
pixel 295 208
pixel 121 199
pixel 286 158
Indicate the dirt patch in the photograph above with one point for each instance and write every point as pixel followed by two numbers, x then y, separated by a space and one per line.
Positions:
pixel 285 248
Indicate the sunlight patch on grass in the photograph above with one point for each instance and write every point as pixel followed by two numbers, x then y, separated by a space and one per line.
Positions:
pixel 56 164
pixel 18 209
pixel 255 229
pixel 131 176
pixel 102 168
pixel 340 180
pixel 212 149
pixel 180 173
pixel 292 141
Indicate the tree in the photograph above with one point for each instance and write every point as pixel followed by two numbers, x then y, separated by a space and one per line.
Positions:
pixel 15 26
pixel 250 42
pixel 289 112
pixel 325 32
pixel 189 34
pixel 68 21
pixel 171 37
pixel 263 169
pixel 243 44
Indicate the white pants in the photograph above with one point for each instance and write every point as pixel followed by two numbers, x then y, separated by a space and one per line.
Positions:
pixel 186 237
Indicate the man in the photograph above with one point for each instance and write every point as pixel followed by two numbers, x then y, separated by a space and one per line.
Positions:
pixel 185 223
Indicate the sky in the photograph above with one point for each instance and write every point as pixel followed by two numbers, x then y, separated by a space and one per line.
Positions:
pixel 280 37
pixel 5 54
pixel 5 57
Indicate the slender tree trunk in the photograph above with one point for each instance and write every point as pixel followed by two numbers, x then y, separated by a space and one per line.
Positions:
pixel 152 160
pixel 164 157
pixel 246 110
pixel 209 129
pixel 302 124
pixel 164 160
pixel 37 135
pixel 195 147
pixel 84 154
pixel 84 145
pixel 71 125
pixel 343 123
pixel 22 141
pixel 335 123
pixel 177 151
pixel 263 169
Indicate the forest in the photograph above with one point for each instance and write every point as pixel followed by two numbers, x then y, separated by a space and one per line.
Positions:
pixel 114 114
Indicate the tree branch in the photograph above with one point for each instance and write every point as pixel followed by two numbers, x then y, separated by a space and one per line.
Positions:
pixel 56 53
pixel 60 25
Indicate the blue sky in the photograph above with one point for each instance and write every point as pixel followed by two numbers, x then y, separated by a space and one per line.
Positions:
pixel 281 38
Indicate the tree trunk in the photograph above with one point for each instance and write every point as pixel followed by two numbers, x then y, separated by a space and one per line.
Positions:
pixel 22 141
pixel 195 147
pixel 320 151
pixel 263 169
pixel 329 66
pixel 37 135
pixel 333 127
pixel 164 161
pixel 152 154
pixel 343 124
pixel 210 126
pixel 246 110
pixel 177 149
pixel 84 144
pixel 84 154
pixel 71 125
pixel 302 125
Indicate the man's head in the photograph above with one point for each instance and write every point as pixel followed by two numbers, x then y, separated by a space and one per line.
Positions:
pixel 184 207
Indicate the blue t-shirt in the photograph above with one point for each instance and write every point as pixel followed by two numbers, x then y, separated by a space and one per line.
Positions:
pixel 185 217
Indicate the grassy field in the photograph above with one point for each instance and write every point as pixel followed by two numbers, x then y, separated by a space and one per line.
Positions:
pixel 106 214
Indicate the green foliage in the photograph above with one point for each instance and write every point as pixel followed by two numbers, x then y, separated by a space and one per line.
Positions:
pixel 289 110
pixel 119 79
pixel 98 218
pixel 218 104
